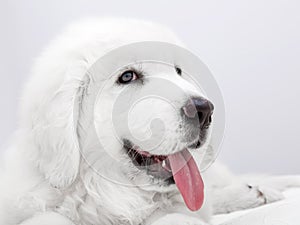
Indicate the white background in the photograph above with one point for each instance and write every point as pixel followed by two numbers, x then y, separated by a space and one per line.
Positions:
pixel 251 46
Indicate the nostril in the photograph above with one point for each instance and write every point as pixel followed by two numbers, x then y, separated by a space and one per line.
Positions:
pixel 207 122
pixel 200 116
pixel 204 119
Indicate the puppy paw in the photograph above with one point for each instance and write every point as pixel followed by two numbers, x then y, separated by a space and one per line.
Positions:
pixel 269 194
pixel 242 196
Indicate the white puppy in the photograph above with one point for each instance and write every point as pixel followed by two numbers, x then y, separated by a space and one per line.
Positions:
pixel 47 180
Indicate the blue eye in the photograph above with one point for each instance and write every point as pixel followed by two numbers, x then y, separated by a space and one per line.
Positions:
pixel 127 77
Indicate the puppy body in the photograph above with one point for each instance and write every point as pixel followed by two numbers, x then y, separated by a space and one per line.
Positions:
pixel 45 177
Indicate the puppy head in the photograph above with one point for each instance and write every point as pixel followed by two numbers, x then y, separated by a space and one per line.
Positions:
pixel 130 112
pixel 149 115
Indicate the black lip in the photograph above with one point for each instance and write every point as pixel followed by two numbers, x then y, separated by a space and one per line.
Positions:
pixel 148 164
pixel 196 144
pixel 201 139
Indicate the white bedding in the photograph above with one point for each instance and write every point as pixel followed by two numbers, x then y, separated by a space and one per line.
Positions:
pixel 285 212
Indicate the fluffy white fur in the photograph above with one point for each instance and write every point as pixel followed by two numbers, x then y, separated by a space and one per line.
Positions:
pixel 45 180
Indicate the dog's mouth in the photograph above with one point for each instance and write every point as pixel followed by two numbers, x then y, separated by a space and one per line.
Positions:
pixel 157 166
pixel 179 168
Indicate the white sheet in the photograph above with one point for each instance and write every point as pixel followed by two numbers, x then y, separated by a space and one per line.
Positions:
pixel 285 212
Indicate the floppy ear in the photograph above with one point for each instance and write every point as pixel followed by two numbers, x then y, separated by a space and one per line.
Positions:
pixel 55 134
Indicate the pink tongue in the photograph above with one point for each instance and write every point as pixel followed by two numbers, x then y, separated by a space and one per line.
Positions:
pixel 187 178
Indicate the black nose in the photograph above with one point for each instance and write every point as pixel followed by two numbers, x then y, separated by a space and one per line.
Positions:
pixel 201 109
